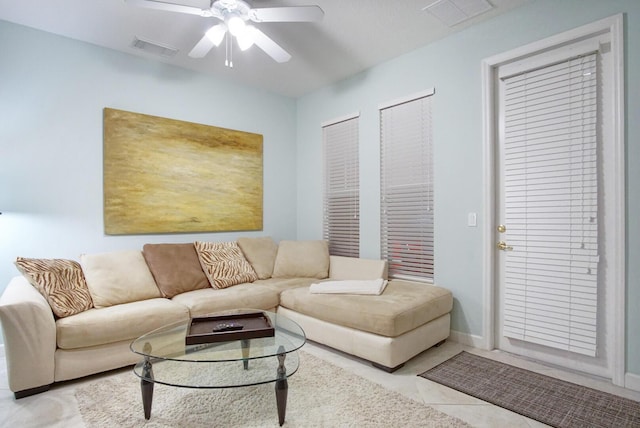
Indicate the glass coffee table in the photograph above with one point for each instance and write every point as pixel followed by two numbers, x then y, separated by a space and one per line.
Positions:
pixel 236 363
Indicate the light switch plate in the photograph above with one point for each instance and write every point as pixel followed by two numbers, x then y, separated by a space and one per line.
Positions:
pixel 472 220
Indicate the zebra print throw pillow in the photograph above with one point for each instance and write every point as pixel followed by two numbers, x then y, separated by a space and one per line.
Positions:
pixel 61 282
pixel 224 264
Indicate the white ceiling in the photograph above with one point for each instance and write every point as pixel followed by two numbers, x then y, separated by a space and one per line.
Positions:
pixel 353 36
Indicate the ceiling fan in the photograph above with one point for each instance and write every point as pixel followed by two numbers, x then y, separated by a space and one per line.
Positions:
pixel 235 14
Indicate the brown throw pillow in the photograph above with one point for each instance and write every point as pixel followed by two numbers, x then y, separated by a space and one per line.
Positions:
pixel 224 264
pixel 175 267
pixel 61 282
pixel 261 253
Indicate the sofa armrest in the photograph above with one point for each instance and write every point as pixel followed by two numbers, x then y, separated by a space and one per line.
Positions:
pixel 341 268
pixel 29 331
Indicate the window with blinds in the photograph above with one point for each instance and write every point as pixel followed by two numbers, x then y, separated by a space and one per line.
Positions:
pixel 406 187
pixel 341 195
pixel 551 202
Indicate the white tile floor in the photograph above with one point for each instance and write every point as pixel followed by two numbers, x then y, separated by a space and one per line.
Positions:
pixel 58 408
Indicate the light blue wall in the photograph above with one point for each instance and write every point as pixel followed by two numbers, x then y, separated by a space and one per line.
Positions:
pixel 52 93
pixel 452 67
pixel 53 90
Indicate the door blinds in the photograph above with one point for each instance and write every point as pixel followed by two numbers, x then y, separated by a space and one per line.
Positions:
pixel 341 223
pixel 551 203
pixel 406 186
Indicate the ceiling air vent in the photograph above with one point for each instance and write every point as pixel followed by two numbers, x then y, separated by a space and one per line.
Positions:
pixel 453 12
pixel 153 48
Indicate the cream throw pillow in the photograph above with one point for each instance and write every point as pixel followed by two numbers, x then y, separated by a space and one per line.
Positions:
pixel 302 259
pixel 224 264
pixel 60 281
pixel 261 253
pixel 118 277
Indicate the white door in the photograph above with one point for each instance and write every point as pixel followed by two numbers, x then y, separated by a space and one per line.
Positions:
pixel 553 200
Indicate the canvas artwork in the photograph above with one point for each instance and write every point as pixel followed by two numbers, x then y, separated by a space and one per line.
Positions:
pixel 168 176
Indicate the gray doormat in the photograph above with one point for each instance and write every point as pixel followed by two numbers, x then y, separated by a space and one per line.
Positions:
pixel 543 398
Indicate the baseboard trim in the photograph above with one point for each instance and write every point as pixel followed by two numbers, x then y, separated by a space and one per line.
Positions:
pixel 632 381
pixel 467 339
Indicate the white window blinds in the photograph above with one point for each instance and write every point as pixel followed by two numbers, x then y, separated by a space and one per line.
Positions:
pixel 551 203
pixel 406 186
pixel 341 222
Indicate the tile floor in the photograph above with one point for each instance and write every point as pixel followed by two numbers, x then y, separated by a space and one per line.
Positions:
pixel 58 407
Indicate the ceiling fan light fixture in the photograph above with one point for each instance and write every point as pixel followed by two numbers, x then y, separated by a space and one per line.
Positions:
pixel 236 25
pixel 245 39
pixel 216 34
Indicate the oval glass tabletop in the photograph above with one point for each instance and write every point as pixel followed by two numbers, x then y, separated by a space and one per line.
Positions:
pixel 168 360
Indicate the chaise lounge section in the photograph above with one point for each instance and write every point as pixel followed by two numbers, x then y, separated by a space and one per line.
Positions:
pixel 387 330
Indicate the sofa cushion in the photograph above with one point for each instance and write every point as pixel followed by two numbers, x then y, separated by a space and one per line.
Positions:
pixel 118 277
pixel 242 296
pixel 261 253
pixel 302 259
pixel 341 268
pixel 403 306
pixel 224 264
pixel 175 268
pixel 60 281
pixel 116 323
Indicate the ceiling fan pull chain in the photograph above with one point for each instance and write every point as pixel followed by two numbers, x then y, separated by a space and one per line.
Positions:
pixel 226 50
pixel 228 61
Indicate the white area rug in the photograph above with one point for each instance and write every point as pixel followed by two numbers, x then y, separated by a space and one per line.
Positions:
pixel 320 395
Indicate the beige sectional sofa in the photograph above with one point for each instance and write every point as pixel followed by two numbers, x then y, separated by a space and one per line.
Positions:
pixel 52 335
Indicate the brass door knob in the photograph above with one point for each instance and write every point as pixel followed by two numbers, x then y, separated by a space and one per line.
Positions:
pixel 503 246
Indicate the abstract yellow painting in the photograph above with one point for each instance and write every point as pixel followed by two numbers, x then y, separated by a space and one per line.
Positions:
pixel 169 176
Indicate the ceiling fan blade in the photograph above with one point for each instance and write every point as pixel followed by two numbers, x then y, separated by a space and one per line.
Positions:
pixel 270 47
pixel 287 14
pixel 169 7
pixel 201 48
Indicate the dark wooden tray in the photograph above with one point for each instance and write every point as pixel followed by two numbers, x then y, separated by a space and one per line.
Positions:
pixel 255 325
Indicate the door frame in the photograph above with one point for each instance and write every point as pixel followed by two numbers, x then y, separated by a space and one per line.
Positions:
pixel 616 255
